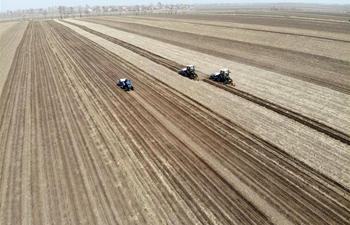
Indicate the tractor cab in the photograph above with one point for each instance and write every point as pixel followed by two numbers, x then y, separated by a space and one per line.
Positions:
pixel 225 71
pixel 190 68
pixel 224 74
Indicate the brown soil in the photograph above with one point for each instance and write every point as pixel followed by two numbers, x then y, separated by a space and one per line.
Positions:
pixel 78 149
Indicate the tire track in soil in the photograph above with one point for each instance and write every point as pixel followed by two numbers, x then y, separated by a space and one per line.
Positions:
pixel 330 203
pixel 314 124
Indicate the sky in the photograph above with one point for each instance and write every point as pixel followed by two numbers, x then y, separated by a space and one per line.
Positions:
pixel 27 4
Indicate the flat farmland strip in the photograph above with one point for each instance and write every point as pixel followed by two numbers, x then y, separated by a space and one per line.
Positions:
pixel 109 82
pixel 10 37
pixel 310 22
pixel 339 34
pixel 283 111
pixel 147 91
pixel 93 174
pixel 319 70
pixel 57 137
pixel 26 197
pixel 297 140
pixel 324 105
pixel 305 44
pixel 5 26
pixel 120 179
pixel 341 37
pixel 158 155
pixel 345 138
pixel 194 119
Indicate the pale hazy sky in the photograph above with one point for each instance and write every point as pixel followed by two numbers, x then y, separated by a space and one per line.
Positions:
pixel 26 4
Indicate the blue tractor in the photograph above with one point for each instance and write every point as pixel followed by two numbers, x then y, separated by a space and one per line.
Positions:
pixel 223 76
pixel 125 84
pixel 189 72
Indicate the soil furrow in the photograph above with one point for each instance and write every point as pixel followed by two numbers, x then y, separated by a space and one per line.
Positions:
pixel 76 148
pixel 283 193
pixel 112 83
pixel 262 172
pixel 279 109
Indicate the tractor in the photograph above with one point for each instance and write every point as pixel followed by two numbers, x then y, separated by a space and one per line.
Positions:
pixel 189 72
pixel 223 76
pixel 125 84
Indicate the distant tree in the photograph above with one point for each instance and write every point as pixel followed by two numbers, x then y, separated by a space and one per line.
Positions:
pixel 45 13
pixel 113 8
pixel 61 10
pixel 136 9
pixel 80 10
pixel 120 9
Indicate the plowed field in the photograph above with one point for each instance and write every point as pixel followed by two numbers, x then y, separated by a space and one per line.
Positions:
pixel 75 148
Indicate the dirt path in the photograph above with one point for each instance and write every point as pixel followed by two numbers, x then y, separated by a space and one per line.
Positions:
pixel 78 149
